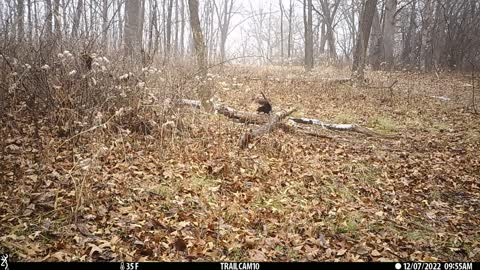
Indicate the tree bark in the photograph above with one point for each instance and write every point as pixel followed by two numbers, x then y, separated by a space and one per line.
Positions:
pixel 48 20
pixel 438 42
pixel 168 42
pixel 323 38
pixel 132 28
pixel 290 29
pixel 281 31
pixel 407 57
pixel 175 43
pixel 425 60
pixel 224 15
pixel 199 45
pixel 274 122
pixel 30 21
pixel 20 22
pixel 105 24
pixel 308 35
pixel 376 44
pixel 329 12
pixel 359 56
pixel 198 40
pixel 182 29
pixel 389 32
pixel 153 24
pixel 141 23
pixel 76 18
pixel 58 21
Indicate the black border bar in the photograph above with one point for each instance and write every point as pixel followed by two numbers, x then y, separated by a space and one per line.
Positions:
pixel 240 265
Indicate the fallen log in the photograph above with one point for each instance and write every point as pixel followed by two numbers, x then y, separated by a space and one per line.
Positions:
pixel 337 127
pixel 295 128
pixel 242 117
pixel 252 118
pixel 292 80
pixel 248 136
pixel 341 127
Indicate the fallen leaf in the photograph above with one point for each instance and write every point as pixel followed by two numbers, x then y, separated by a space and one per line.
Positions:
pixel 341 252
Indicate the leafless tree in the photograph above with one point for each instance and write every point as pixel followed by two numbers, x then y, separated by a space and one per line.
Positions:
pixel 198 40
pixel 20 23
pixel 105 20
pixel 133 39
pixel 76 18
pixel 224 16
pixel 329 11
pixel 389 32
pixel 359 57
pixel 308 8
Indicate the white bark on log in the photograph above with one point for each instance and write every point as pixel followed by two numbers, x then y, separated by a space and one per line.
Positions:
pixel 338 127
pixel 252 118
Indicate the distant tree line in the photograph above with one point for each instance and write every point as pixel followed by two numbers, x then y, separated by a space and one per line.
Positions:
pixel 385 34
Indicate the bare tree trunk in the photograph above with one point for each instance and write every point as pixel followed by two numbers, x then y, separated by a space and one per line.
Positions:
pixel 329 13
pixel 30 22
pixel 323 37
pixel 76 19
pixel 132 28
pixel 175 43
pixel 359 56
pixel 64 18
pixel 35 19
pixel 114 35
pixel 198 40
pixel 121 23
pixel 438 43
pixel 354 28
pixel 425 60
pixel 182 29
pixel 157 44
pixel 409 40
pixel 48 20
pixel 153 23
pixel 269 32
pixel 105 24
pixel 20 23
pixel 308 35
pixel 376 44
pixel 281 30
pixel 210 34
pixel 92 16
pixel 86 31
pixel 204 92
pixel 290 28
pixel 389 32
pixel 2 19
pixel 224 16
pixel 58 21
pixel 141 23
pixel 168 42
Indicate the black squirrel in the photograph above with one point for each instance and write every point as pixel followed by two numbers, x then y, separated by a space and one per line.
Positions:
pixel 265 106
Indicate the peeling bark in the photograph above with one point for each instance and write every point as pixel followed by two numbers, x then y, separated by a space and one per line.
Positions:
pixel 272 124
pixel 252 118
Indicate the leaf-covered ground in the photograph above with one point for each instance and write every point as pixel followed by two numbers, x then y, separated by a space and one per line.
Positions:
pixel 187 192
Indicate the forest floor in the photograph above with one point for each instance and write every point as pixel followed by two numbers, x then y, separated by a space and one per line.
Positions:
pixel 193 194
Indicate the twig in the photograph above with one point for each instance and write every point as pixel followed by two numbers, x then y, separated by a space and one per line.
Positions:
pixel 473 87
pixel 88 130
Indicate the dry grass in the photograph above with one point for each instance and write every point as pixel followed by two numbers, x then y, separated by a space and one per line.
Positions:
pixel 286 197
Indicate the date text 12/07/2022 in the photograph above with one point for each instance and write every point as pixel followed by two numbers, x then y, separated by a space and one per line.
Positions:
pixel 433 266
